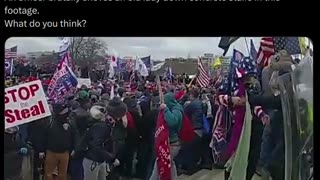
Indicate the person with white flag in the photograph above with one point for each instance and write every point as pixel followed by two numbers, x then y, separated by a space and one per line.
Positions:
pixel 111 70
pixel 141 67
pixel 114 57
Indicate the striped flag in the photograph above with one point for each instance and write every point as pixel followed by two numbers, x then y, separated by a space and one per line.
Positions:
pixel 132 77
pixel 65 61
pixel 266 50
pixel 11 53
pixel 203 78
pixel 290 44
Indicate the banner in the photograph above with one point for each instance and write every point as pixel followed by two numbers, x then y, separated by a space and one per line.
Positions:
pixel 84 81
pixel 25 103
pixel 62 85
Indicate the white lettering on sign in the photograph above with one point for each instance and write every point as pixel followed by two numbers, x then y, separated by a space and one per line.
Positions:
pixel 25 103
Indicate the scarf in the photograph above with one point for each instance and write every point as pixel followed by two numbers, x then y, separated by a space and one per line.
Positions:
pixel 162 148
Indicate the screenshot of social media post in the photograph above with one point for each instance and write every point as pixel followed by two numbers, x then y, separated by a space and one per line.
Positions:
pixel 167 108
pixel 54 15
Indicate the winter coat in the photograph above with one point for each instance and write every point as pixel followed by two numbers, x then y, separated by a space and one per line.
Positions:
pixel 194 111
pixel 58 139
pixel 97 143
pixel 173 115
pixel 79 119
pixel 36 130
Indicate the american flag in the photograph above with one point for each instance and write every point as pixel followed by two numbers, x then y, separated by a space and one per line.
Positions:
pixel 65 61
pixel 271 45
pixel 290 44
pixel 234 73
pixel 11 53
pixel 132 77
pixel 266 50
pixel 203 78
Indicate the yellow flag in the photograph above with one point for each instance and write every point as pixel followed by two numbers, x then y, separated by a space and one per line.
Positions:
pixel 217 63
pixel 303 45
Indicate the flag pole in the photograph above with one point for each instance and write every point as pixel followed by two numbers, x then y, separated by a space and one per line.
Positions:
pixel 11 67
pixel 245 39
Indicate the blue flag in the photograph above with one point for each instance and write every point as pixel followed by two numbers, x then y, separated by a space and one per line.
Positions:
pixel 168 74
pixel 9 67
pixel 290 44
pixel 233 73
pixel 63 85
pixel 147 62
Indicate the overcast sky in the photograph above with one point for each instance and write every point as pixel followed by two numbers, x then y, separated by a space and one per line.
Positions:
pixel 158 47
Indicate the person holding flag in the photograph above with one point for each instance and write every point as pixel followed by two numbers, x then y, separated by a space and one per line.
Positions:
pixel 167 143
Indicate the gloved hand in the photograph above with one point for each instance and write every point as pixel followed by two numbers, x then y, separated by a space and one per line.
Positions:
pixel 41 155
pixel 23 151
pixel 72 153
pixel 116 163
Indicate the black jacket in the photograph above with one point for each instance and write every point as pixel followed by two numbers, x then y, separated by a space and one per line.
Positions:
pixel 147 126
pixel 97 143
pixel 79 119
pixel 57 139
pixel 36 131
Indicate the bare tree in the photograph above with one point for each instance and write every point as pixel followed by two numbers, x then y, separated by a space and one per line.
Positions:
pixel 85 50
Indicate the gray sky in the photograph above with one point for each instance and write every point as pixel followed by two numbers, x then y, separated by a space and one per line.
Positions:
pixel 158 47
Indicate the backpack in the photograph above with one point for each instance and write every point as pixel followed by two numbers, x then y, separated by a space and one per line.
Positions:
pixel 186 133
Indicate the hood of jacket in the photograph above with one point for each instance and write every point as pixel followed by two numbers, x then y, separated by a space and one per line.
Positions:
pixel 171 102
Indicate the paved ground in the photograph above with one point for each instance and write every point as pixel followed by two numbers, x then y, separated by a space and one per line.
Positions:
pixel 215 174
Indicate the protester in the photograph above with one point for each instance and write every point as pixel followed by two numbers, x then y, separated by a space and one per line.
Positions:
pixel 14 150
pixel 173 113
pixel 96 146
pixel 36 131
pixel 58 143
pixel 190 152
pixel 117 118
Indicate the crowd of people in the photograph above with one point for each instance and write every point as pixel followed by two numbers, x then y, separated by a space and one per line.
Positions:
pixel 94 137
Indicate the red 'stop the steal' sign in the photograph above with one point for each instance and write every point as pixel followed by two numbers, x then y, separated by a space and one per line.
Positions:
pixel 25 103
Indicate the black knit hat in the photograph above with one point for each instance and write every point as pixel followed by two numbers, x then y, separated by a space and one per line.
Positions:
pixel 60 108
pixel 116 108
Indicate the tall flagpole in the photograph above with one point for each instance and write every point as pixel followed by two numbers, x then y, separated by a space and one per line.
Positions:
pixel 11 67
pixel 245 39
